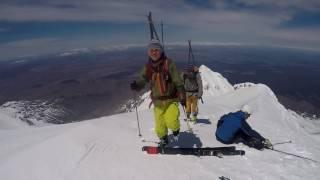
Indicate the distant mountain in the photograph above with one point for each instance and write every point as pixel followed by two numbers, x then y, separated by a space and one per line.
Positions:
pixel 91 83
pixel 33 113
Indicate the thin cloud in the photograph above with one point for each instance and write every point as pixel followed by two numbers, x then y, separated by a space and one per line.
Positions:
pixel 112 10
pixel 29 47
pixel 4 30
pixel 26 43
pixel 236 21
pixel 297 35
pixel 45 46
pixel 260 13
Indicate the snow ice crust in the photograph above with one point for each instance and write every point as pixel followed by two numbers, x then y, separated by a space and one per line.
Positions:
pixel 110 148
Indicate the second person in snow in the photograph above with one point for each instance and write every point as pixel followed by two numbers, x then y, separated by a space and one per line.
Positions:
pixel 193 86
pixel 233 128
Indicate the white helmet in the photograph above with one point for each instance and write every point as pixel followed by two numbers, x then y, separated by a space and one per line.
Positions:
pixel 246 108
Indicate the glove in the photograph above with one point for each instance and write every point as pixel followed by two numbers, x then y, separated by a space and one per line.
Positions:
pixel 201 100
pixel 182 95
pixel 134 86
pixel 267 144
pixel 182 99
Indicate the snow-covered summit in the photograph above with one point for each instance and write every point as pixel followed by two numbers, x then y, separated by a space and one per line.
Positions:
pixel 110 148
pixel 214 84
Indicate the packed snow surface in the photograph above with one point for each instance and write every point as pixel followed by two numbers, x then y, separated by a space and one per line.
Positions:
pixel 110 148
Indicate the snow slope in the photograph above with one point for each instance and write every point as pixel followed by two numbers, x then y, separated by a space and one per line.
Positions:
pixel 35 113
pixel 8 121
pixel 109 147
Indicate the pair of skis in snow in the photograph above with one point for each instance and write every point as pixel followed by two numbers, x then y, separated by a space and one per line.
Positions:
pixel 201 151
pixel 198 151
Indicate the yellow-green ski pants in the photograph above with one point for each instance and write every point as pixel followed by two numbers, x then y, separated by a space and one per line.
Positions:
pixel 166 117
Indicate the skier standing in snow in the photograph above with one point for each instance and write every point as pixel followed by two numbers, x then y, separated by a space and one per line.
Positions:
pixel 233 128
pixel 193 87
pixel 166 88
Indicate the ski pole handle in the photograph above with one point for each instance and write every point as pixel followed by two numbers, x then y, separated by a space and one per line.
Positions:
pixel 201 99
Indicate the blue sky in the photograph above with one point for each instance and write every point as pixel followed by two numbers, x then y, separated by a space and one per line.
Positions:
pixel 38 27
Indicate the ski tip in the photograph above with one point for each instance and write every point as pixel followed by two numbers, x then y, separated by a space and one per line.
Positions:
pixel 150 149
pixel 144 148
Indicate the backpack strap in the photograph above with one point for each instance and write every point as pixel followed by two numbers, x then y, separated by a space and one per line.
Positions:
pixel 160 77
pixel 163 77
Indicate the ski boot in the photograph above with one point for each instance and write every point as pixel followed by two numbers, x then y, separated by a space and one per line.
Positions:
pixel 194 119
pixel 267 144
pixel 188 117
pixel 163 141
pixel 176 135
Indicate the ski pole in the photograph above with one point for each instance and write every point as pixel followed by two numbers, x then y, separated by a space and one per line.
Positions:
pixel 150 141
pixel 185 114
pixel 162 35
pixel 138 121
pixel 135 104
pixel 302 157
pixel 285 142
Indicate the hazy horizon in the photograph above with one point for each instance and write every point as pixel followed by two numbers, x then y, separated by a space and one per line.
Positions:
pixel 96 83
